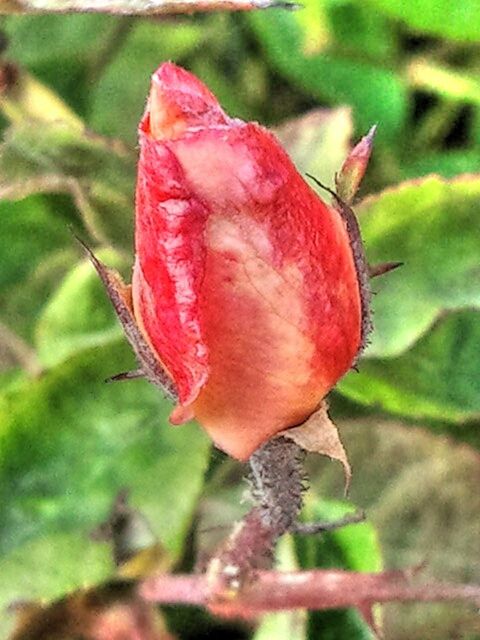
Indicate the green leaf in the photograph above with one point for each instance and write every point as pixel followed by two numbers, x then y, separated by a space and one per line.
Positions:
pixel 78 315
pixel 335 78
pixel 117 105
pixel 432 225
pixel 68 443
pixel 29 233
pixel 422 363
pixel 50 567
pixel 353 547
pixel 438 378
pixel 456 21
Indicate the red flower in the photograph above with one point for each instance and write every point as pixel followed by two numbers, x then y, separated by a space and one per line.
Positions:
pixel 245 285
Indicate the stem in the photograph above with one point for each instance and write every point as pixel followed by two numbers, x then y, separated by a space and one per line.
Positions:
pixel 315 590
pixel 277 484
pixel 135 7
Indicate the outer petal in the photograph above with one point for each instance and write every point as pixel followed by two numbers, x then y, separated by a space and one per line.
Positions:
pixel 169 233
pixel 169 267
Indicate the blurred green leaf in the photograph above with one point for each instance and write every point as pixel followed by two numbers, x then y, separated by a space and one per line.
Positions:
pixel 420 490
pixel 285 625
pixel 97 173
pixel 117 104
pixel 29 233
pixel 354 547
pixel 34 248
pixel 359 31
pixel 78 315
pixel 38 40
pixel 335 78
pixel 456 21
pixel 432 225
pixel 49 568
pixel 60 49
pixel 68 443
pixel 318 141
pixel 439 377
pixel 451 83
pixel 448 164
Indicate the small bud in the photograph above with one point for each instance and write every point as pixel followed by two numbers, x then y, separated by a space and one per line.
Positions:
pixel 348 179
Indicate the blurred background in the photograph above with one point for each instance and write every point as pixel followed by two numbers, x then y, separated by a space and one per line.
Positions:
pixel 72 90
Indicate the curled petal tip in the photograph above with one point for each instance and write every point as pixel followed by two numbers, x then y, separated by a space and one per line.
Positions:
pixel 178 101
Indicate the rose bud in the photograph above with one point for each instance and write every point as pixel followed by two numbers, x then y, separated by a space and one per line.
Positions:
pixel 248 289
pixel 250 295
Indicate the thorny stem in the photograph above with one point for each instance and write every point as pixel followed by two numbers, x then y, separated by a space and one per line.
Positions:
pixel 316 590
pixel 277 484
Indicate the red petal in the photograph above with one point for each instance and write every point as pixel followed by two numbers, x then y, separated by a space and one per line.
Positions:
pixel 169 267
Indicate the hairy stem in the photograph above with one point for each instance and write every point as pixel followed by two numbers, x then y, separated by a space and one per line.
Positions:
pixel 277 483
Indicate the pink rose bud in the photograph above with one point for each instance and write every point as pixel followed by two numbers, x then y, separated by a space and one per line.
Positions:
pixel 246 285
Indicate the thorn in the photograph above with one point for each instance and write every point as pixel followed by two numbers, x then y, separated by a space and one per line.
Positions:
pixel 278 4
pixel 368 613
pixel 86 249
pixel 126 375
pixel 313 528
pixel 324 187
pixel 382 268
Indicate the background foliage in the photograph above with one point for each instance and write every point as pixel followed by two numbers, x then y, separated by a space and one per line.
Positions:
pixel 72 92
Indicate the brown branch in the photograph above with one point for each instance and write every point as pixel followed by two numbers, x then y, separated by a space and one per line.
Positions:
pixel 315 590
pixel 136 7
